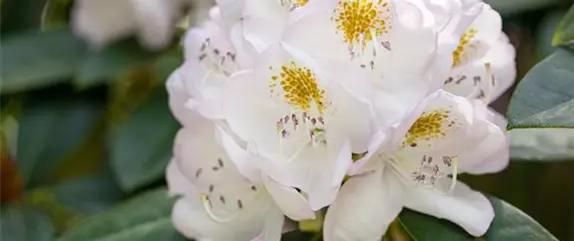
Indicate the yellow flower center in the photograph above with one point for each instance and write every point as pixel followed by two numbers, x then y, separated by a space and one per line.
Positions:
pixel 362 20
pixel 427 126
pixel 458 54
pixel 300 88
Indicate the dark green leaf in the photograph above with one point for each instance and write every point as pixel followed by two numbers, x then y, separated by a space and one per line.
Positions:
pixel 37 59
pixel 298 235
pixel 517 6
pixel 21 15
pixel 545 32
pixel 25 223
pixel 101 66
pixel 544 98
pixel 89 195
pixel 144 218
pixel 565 33
pixel 141 146
pixel 52 124
pixel 510 224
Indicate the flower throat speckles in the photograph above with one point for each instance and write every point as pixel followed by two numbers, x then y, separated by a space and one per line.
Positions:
pixel 428 125
pixel 216 59
pixel 299 87
pixel 461 53
pixel 361 21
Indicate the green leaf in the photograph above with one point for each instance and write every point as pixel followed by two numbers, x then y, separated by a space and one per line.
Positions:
pixel 52 124
pixel 565 33
pixel 544 98
pixel 25 223
pixel 146 217
pixel 21 15
pixel 90 194
pixel 103 65
pixel 509 224
pixel 506 7
pixel 553 144
pixel 34 59
pixel 545 32
pixel 141 146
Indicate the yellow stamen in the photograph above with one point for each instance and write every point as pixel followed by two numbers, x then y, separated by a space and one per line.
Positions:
pixel 300 88
pixel 428 125
pixel 362 20
pixel 457 55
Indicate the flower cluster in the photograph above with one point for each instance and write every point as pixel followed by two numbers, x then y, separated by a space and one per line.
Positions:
pixel 361 106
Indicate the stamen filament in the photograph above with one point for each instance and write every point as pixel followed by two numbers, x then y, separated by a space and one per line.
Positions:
pixel 454 174
pixel 207 208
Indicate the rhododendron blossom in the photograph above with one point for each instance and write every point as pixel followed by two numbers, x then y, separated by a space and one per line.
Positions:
pixel 281 99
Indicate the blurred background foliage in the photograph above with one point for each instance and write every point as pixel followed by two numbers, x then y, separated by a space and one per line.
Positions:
pixel 85 131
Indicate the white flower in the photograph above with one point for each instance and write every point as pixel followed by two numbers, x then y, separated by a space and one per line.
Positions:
pixel 217 202
pixel 401 49
pixel 483 63
pixel 103 21
pixel 262 22
pixel 298 121
pixel 446 136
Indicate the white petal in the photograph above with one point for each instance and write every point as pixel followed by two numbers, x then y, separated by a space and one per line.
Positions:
pixel 155 20
pixel 248 111
pixel 316 171
pixel 364 208
pixel 291 202
pixel 263 22
pixel 190 218
pixel 273 228
pixel 202 160
pixel 103 21
pixel 238 155
pixel 469 209
pixel 498 119
pixel 178 183
pixel 178 97
pixel 315 34
pixel 489 156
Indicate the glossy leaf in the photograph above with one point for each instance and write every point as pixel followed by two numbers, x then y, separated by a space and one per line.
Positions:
pixel 141 146
pixel 21 15
pixel 35 59
pixel 90 194
pixel 25 223
pixel 146 217
pixel 545 97
pixel 52 124
pixel 565 33
pixel 550 144
pixel 516 6
pixel 101 66
pixel 509 224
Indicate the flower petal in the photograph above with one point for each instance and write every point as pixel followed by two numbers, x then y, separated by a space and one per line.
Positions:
pixel 238 155
pixel 496 148
pixel 103 21
pixel 178 183
pixel 273 227
pixel 178 97
pixel 190 218
pixel 469 209
pixel 293 204
pixel 364 208
pixel 155 20
pixel 263 22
